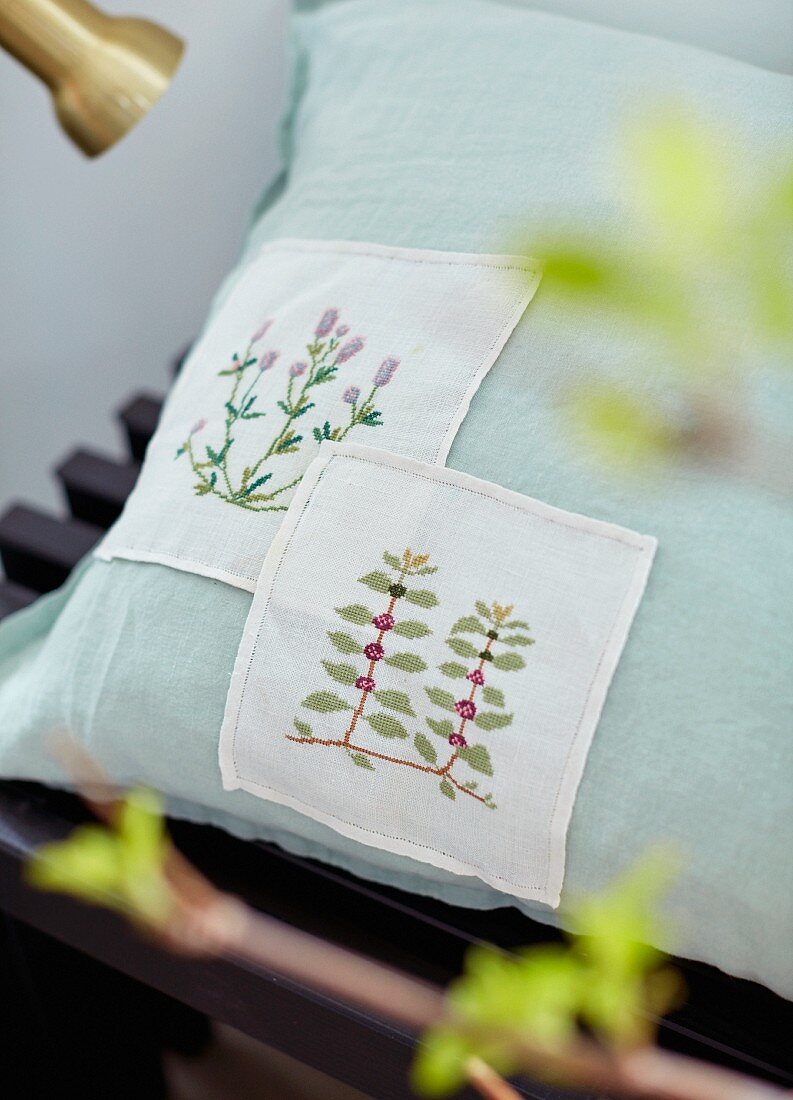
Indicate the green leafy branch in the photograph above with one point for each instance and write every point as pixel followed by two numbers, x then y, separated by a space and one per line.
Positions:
pixel 707 270
pixel 582 1015
pixel 608 986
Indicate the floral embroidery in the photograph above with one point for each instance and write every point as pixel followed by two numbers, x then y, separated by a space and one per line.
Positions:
pixel 491 621
pixel 327 352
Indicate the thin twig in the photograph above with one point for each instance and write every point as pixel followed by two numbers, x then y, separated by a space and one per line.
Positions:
pixel 205 922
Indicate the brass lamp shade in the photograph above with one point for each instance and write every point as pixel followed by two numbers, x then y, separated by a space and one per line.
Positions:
pixel 104 73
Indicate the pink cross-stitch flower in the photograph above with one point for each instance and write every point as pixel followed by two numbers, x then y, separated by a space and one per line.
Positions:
pixel 326 323
pixel 365 683
pixel 384 621
pixel 373 652
pixel 458 741
pixel 465 708
pixel 352 347
pixel 476 676
pixel 385 372
pixel 268 360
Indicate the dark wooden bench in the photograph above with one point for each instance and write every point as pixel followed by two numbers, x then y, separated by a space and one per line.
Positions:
pixel 725 1020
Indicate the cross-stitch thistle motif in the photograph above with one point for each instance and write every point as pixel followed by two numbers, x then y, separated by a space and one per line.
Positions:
pixel 490 621
pixel 254 487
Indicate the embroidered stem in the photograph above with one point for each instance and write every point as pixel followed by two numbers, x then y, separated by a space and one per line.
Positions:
pixel 327 352
pixel 471 694
pixel 294 408
pixel 358 413
pixel 362 701
pixel 346 744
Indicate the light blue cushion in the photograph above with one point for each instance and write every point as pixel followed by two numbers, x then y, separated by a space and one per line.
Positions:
pixel 495 126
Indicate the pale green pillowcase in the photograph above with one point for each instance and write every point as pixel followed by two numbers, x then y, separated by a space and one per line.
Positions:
pixel 451 148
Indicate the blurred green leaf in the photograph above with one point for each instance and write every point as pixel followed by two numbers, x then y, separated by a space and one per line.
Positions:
pixel 121 868
pixel 620 427
pixel 699 270
pixel 677 178
pixel 608 980
pixel 439 1065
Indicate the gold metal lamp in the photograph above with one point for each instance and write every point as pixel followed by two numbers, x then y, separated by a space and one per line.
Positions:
pixel 104 73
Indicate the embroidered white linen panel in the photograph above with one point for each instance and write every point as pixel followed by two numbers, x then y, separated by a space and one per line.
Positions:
pixel 425 662
pixel 318 341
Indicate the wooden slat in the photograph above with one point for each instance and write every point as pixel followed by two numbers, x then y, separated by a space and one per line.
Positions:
pixel 39 550
pixel 178 360
pixel 96 486
pixel 13 597
pixel 351 1046
pixel 139 417
pixel 725 1020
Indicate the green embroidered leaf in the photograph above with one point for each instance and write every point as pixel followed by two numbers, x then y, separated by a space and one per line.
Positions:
pixel 484 610
pixel 344 674
pixel 406 662
pixel 355 613
pixel 392 560
pixel 462 647
pixel 469 624
pixel 441 698
pixel 343 642
pixel 411 628
pixel 516 639
pixel 425 571
pixel 395 700
pixel 443 727
pixel 201 487
pixel 422 597
pixel 425 747
pixel 492 720
pixel 493 696
pixel 451 668
pixel 516 624
pixel 509 662
pixel 325 701
pixel 380 582
pixel 303 728
pixel 386 725
pixel 476 757
pixel 471 785
pixel 362 760
pixel 447 789
pixel 254 485
pixel 289 445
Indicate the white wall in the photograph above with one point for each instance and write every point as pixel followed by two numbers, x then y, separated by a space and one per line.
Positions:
pixel 107 266
pixel 758 31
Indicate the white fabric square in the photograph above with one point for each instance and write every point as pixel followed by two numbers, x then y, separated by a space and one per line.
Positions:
pixel 425 662
pixel 319 340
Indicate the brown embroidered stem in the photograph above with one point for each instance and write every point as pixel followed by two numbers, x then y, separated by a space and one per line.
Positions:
pixel 464 721
pixel 347 744
pixel 447 767
pixel 362 702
